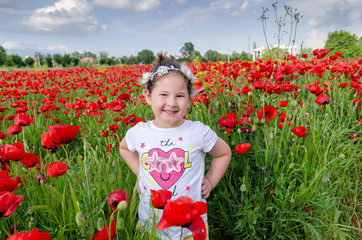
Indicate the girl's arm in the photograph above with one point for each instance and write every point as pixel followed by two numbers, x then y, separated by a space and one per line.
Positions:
pixel 221 154
pixel 131 158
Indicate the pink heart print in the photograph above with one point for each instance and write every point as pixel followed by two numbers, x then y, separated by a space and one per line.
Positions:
pixel 166 167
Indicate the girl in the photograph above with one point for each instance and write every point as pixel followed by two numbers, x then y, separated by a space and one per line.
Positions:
pixel 168 152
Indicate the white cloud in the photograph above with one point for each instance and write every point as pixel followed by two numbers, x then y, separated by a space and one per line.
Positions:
pixel 70 17
pixel 316 39
pixel 61 48
pixel 244 6
pixel 12 45
pixel 135 5
pixel 190 17
pixel 224 5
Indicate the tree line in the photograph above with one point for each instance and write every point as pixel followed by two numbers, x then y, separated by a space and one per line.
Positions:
pixel 338 41
pixel 89 59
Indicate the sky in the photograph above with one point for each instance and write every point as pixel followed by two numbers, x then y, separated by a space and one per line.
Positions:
pixel 126 27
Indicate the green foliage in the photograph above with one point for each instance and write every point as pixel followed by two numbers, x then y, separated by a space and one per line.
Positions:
pixel 29 62
pixel 14 61
pixel 345 42
pixel 2 55
pixel 188 50
pixel 146 56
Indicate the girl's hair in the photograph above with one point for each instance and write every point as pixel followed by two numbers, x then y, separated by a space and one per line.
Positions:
pixel 163 60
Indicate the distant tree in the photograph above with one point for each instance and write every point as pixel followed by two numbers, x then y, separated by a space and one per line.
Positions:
pixel 345 42
pixel 66 60
pixel 74 61
pixel 244 56
pixel 14 60
pixel 132 60
pixel 212 55
pixel 88 54
pixel 48 60
pixel 2 55
pixel 146 56
pixel 76 55
pixel 111 61
pixel 57 58
pixel 29 62
pixel 188 50
pixel 103 57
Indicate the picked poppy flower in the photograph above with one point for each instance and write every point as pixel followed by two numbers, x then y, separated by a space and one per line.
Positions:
pixel 2 135
pixel 267 113
pixel 62 134
pixel 104 233
pixel 40 179
pixel 9 203
pixel 13 152
pixel 283 103
pixel 322 99
pixel 300 131
pixel 56 169
pixel 186 213
pixel 159 198
pixel 47 143
pixel 242 148
pixel 22 119
pixel 35 234
pixel 14 129
pixel 116 197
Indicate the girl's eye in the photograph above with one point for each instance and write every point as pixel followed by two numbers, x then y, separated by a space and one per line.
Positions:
pixel 163 94
pixel 180 96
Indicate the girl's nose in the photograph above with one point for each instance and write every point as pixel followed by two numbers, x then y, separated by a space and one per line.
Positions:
pixel 171 101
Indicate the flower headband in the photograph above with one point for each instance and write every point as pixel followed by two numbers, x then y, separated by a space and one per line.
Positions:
pixel 163 70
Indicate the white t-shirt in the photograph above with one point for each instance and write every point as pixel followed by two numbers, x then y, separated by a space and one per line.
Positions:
pixel 170 159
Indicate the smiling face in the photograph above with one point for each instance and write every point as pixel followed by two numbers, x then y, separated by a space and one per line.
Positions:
pixel 169 100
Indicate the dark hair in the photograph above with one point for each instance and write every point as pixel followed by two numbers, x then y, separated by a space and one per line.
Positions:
pixel 163 60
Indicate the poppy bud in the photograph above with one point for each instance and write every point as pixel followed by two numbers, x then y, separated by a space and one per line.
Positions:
pixel 120 223
pixel 342 156
pixel 100 224
pixel 80 219
pixel 122 205
pixel 138 226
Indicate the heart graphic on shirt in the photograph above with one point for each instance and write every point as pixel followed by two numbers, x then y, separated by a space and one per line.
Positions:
pixel 166 167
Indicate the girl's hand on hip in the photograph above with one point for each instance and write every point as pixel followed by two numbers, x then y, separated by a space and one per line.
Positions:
pixel 205 188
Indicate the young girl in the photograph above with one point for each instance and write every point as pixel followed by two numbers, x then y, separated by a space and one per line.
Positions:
pixel 168 152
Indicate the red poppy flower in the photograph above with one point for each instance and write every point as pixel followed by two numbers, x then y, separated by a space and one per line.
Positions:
pixel 47 143
pixel 2 135
pixel 7 183
pixel 242 148
pixel 56 169
pixel 115 197
pixel 267 113
pixel 304 55
pixel 40 179
pixel 105 133
pixel 184 212
pixel 14 129
pixel 228 121
pixel 62 134
pixel 13 152
pixel 108 228
pixel 159 198
pixel 30 161
pixel 300 131
pixel 22 119
pixel 35 234
pixel 9 203
pixel 283 103
pixel 322 99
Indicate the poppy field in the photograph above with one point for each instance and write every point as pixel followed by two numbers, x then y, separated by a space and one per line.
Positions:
pixel 294 126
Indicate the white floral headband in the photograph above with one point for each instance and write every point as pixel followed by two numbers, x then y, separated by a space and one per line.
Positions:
pixel 163 70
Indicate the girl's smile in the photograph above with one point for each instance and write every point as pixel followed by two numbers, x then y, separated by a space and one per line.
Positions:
pixel 169 100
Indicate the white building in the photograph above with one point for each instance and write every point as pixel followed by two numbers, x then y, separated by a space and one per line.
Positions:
pixel 258 52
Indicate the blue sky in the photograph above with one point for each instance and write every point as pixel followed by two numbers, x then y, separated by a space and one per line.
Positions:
pixel 125 27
